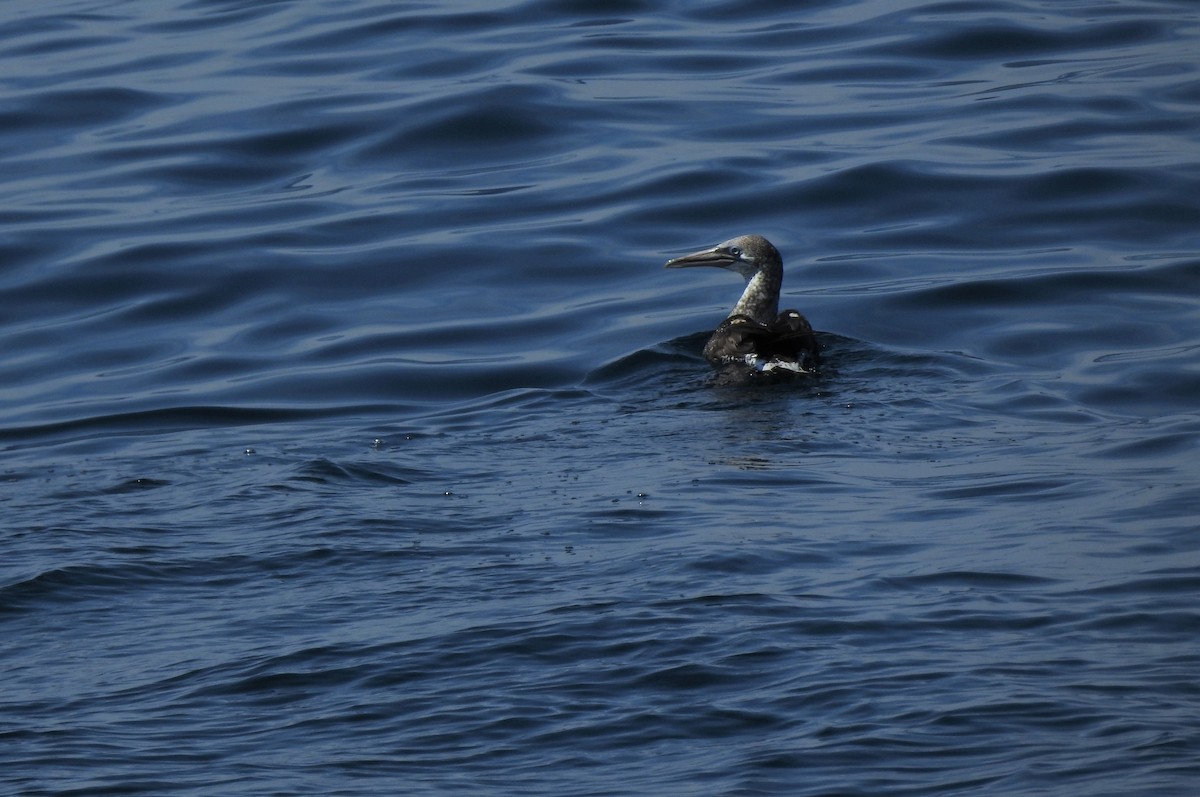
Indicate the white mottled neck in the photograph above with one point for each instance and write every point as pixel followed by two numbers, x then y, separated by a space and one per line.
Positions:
pixel 760 300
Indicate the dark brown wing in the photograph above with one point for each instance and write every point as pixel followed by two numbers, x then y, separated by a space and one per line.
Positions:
pixel 787 339
pixel 737 337
pixel 790 337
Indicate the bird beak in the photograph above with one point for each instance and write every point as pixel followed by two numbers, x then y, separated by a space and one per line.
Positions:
pixel 706 257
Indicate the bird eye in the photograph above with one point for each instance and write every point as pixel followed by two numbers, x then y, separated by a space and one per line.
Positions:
pixel 736 251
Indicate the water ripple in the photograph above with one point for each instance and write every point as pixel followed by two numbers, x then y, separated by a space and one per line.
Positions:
pixel 354 434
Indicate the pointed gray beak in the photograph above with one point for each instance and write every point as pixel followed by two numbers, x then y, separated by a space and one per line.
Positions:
pixel 706 257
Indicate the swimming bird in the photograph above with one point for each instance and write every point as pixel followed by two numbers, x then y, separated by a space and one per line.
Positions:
pixel 756 334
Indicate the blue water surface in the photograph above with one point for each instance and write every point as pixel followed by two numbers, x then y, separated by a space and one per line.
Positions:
pixel 353 439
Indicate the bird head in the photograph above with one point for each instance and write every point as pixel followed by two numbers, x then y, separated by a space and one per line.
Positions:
pixel 746 254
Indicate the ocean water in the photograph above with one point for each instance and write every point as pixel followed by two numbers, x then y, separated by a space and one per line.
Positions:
pixel 354 441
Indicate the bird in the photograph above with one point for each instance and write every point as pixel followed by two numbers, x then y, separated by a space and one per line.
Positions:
pixel 756 334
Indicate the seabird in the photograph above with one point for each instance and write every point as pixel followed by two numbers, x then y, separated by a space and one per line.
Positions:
pixel 756 334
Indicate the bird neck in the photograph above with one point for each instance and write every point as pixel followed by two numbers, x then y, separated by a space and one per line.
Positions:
pixel 760 300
